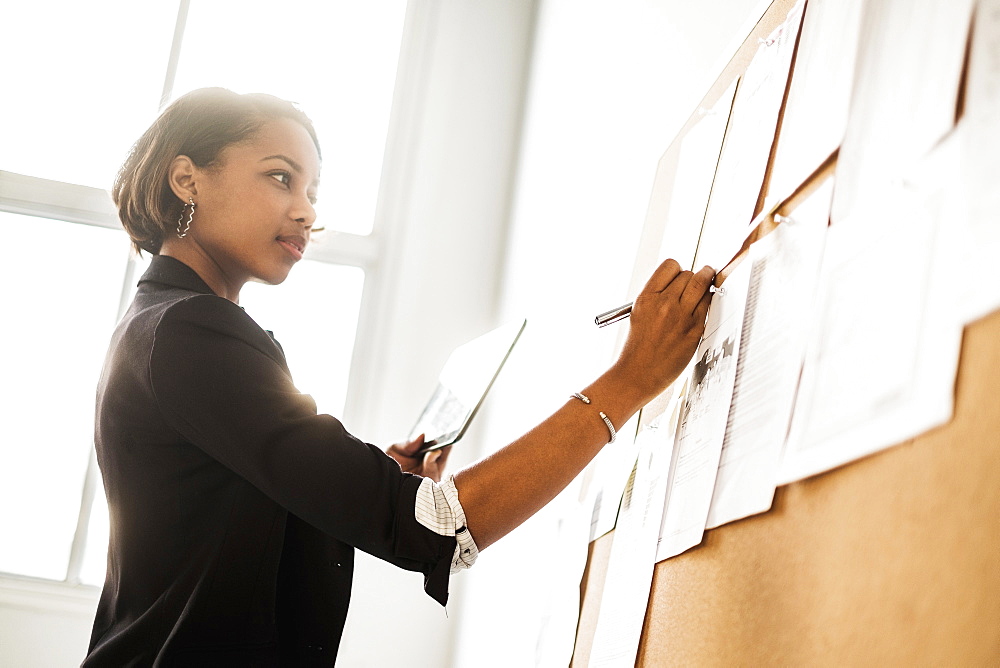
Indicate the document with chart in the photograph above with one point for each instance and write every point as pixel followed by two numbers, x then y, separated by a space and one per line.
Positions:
pixel 783 283
pixel 702 421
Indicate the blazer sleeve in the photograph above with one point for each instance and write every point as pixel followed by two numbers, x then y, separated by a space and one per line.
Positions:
pixel 222 383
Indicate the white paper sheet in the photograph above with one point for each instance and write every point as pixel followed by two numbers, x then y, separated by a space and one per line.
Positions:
pixel 607 476
pixel 819 94
pixel 696 164
pixel 557 627
pixel 782 282
pixel 884 348
pixel 747 148
pixel 970 241
pixel 905 92
pixel 982 88
pixel 632 559
pixel 703 416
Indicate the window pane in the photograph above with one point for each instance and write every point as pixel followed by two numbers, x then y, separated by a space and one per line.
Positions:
pixel 59 309
pixel 336 59
pixel 314 315
pixel 81 81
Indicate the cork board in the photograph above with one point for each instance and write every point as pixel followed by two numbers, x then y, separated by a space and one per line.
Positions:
pixel 890 560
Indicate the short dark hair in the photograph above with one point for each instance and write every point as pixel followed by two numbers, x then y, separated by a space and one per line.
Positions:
pixel 199 124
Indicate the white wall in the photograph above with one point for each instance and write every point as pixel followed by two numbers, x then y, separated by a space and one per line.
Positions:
pixel 43 624
pixel 445 205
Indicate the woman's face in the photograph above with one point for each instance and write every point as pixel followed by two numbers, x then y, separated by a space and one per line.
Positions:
pixel 255 205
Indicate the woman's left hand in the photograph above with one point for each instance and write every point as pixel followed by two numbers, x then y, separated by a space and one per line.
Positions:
pixel 430 464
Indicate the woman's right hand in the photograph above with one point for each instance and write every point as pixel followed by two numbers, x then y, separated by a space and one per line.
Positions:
pixel 667 321
pixel 668 318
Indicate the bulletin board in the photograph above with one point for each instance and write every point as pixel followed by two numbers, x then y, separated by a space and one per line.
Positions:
pixel 893 559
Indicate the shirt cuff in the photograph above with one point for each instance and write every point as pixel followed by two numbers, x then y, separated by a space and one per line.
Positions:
pixel 438 508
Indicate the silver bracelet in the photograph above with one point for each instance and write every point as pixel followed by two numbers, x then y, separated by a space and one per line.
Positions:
pixel 607 421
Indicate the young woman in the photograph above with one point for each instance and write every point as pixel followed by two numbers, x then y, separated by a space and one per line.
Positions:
pixel 235 507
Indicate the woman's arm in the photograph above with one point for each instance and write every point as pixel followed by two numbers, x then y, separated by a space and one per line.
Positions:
pixel 668 318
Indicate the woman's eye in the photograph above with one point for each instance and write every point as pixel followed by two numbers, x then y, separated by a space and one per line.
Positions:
pixel 282 177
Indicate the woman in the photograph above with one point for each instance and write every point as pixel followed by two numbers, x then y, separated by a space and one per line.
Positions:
pixel 235 507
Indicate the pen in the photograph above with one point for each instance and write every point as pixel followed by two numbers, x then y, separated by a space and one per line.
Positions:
pixel 624 311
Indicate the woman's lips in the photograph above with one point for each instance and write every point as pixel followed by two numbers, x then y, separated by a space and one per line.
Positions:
pixel 294 245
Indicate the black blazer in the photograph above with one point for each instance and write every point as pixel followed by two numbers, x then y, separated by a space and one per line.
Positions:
pixel 234 507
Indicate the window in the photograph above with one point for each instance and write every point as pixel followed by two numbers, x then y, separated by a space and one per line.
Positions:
pixel 54 338
pixel 335 59
pixel 88 79
pixel 72 103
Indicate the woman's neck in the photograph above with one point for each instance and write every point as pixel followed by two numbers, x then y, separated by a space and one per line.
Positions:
pixel 203 264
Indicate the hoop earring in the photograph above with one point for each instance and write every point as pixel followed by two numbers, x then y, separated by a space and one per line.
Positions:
pixel 181 233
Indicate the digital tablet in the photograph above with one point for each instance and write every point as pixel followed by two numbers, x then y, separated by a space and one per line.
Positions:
pixel 462 385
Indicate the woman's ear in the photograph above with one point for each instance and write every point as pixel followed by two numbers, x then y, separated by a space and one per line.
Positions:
pixel 183 177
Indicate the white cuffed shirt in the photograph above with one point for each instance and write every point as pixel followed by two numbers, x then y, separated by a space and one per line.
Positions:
pixel 438 508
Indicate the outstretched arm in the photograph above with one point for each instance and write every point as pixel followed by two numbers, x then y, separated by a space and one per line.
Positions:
pixel 503 490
